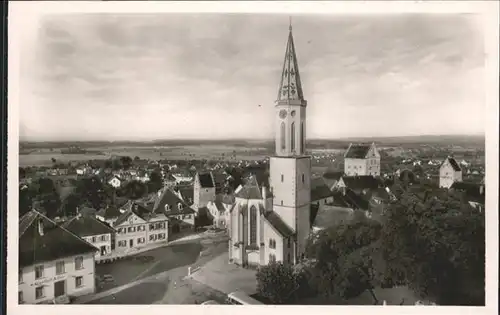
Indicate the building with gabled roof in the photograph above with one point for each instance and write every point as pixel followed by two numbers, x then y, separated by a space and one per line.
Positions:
pixel 362 159
pixel 220 208
pixel 98 233
pixel 54 263
pixel 140 226
pixel 169 203
pixel 320 192
pixel 449 173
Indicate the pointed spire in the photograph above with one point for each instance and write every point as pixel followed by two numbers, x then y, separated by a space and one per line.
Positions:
pixel 290 86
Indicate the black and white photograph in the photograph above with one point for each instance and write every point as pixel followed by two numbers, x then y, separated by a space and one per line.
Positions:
pixel 224 155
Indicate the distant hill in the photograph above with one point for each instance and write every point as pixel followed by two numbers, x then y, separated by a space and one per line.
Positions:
pixel 461 140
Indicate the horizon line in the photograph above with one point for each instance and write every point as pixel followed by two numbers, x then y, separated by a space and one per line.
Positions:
pixel 254 139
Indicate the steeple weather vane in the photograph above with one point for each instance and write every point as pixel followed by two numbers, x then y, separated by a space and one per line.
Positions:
pixel 290 20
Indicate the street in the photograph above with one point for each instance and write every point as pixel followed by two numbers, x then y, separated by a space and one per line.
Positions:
pixel 163 274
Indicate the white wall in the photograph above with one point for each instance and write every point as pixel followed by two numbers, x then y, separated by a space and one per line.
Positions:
pixel 99 242
pixel 29 283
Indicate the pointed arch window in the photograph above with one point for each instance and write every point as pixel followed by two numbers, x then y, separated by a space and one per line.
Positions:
pixel 292 137
pixel 302 139
pixel 253 225
pixel 282 136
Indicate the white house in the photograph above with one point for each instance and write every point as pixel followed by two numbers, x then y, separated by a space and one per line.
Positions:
pixel 362 159
pixel 54 264
pixel 449 173
pixel 99 234
pixel 220 208
pixel 182 177
pixel 115 181
pixel 139 227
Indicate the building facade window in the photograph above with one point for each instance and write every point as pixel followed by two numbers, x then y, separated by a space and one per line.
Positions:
pixel 272 243
pixel 20 297
pixel 39 292
pixel 282 178
pixel 303 179
pixel 289 243
pixel 79 282
pixel 292 137
pixel 253 225
pixel 94 239
pixel 20 276
pixel 60 267
pixel 39 272
pixel 282 136
pixel 78 263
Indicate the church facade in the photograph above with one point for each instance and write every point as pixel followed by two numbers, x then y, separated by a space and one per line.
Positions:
pixel 271 219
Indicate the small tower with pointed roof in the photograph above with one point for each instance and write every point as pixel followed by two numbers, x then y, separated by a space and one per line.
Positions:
pixel 290 168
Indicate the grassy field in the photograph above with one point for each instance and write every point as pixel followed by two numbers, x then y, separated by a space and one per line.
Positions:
pixel 43 157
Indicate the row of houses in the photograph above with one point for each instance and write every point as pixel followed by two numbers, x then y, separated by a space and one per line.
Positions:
pixel 57 259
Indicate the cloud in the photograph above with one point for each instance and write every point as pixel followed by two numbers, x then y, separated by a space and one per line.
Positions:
pixel 172 75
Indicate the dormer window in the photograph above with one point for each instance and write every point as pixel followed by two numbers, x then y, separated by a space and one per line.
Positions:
pixel 179 206
pixel 167 207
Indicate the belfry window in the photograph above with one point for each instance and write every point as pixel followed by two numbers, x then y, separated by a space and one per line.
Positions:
pixel 292 137
pixel 253 225
pixel 282 136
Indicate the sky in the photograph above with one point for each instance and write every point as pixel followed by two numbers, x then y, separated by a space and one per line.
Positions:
pixel 206 76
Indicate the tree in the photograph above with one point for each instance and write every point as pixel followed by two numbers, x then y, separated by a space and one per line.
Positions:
pixel 22 172
pixel 70 204
pixel 155 181
pixel 91 192
pixel 44 192
pixel 126 162
pixel 135 189
pixel 277 282
pixel 435 243
pixel 344 265
pixel 53 160
pixel 25 201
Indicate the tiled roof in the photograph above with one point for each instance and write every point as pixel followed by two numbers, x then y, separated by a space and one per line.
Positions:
pixel 356 201
pixel 357 151
pixel 275 220
pixel 87 226
pixel 169 197
pixel 361 182
pixel 329 216
pixel 250 189
pixel 55 243
pixel 110 212
pixel 206 180
pixel 187 194
pixel 333 175
pixel 319 190
pixel 225 198
pixel 454 164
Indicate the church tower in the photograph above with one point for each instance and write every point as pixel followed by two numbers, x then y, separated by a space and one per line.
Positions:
pixel 290 168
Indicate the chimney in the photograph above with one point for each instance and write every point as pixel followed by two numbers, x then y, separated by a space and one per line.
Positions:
pixel 40 227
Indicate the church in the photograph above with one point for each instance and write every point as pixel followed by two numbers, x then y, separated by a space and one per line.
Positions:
pixel 271 218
